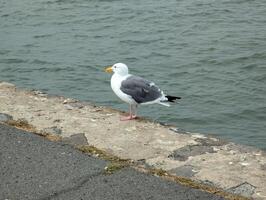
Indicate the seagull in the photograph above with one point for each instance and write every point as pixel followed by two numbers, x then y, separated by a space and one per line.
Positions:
pixel 136 90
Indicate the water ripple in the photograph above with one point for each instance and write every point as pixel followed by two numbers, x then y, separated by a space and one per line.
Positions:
pixel 212 53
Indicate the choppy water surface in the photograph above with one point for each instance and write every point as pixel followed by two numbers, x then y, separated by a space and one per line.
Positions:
pixel 212 53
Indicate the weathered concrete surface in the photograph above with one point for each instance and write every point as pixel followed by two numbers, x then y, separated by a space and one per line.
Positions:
pixel 32 167
pixel 225 165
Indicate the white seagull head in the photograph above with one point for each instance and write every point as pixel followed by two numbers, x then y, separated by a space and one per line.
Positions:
pixel 118 68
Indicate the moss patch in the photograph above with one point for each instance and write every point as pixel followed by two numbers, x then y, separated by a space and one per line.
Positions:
pixel 190 183
pixel 115 166
pixel 21 124
pixel 116 163
pixel 100 153
pixel 24 125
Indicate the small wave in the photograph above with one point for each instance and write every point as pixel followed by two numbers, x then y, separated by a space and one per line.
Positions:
pixel 94 68
pixel 29 45
pixel 12 61
pixel 59 1
pixel 137 42
pixel 241 58
pixel 5 15
pixel 40 62
pixel 4 52
pixel 260 78
pixel 36 24
pixel 259 55
pixel 248 114
pixel 54 69
pixel 157 54
pixel 213 102
pixel 249 67
pixel 179 74
pixel 80 36
pixel 43 36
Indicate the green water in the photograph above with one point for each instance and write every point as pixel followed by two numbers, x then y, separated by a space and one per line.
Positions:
pixel 211 53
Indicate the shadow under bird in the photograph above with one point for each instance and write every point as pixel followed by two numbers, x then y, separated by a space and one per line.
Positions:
pixel 136 90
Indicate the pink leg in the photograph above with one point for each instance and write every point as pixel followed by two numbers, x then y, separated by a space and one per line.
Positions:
pixel 131 116
pixel 135 111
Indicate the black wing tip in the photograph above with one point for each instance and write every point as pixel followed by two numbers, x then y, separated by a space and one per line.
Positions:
pixel 172 98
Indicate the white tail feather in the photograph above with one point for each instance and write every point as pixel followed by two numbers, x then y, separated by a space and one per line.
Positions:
pixel 164 104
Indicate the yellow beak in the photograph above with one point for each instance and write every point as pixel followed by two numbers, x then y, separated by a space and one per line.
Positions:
pixel 108 69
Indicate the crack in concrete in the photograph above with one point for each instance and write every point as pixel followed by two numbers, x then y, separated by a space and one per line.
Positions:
pixel 78 185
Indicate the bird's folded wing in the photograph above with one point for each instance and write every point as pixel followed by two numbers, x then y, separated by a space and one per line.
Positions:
pixel 140 90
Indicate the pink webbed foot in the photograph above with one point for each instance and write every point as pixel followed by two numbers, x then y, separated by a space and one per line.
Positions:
pixel 130 117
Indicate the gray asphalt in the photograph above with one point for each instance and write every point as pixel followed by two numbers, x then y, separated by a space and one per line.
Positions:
pixel 32 167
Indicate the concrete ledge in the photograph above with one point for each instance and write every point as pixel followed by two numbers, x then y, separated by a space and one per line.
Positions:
pixel 36 168
pixel 234 168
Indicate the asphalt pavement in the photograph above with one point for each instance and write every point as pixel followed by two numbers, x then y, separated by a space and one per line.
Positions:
pixel 32 167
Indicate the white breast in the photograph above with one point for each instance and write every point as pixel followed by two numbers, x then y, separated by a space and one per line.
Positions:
pixel 116 81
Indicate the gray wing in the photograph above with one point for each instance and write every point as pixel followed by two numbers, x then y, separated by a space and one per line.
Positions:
pixel 140 90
